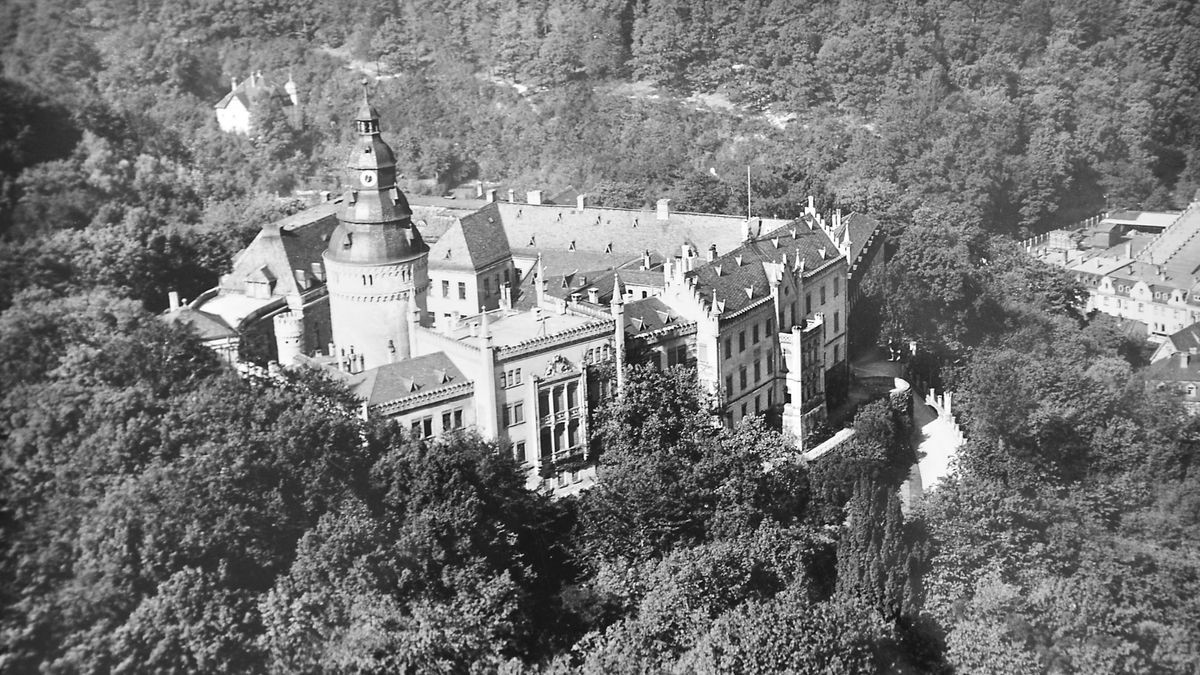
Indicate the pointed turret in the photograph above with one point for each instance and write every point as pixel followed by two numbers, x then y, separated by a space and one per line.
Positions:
pixel 618 314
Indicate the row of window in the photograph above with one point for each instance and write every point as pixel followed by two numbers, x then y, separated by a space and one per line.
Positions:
pixel 451 420
pixel 768 361
pixel 510 378
pixel 754 336
pixel 488 284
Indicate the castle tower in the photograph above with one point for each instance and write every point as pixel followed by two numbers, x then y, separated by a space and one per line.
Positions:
pixel 289 337
pixel 376 263
pixel 618 314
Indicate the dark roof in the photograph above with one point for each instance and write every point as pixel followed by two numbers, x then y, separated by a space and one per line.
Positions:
pixel 477 242
pixel 732 274
pixel 861 228
pixel 1188 338
pixel 1169 370
pixel 395 381
pixel 207 326
pixel 649 314
pixel 249 89
pixel 567 196
pixel 280 248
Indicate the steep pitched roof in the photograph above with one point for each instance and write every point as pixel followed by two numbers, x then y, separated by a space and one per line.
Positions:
pixel 649 314
pixel 394 381
pixel 740 278
pixel 861 227
pixel 476 242
pixel 1186 339
pixel 280 248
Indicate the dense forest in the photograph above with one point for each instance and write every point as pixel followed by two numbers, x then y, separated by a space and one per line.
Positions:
pixel 160 514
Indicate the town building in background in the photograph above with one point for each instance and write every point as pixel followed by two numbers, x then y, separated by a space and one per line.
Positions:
pixel 1138 266
pixel 255 96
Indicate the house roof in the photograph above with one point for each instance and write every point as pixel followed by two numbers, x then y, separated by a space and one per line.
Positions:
pixel 1177 248
pixel 207 326
pixel 478 241
pixel 251 88
pixel 394 381
pixel 649 314
pixel 1170 370
pixel 624 233
pixel 1186 339
pixel 740 278
pixel 861 227
pixel 280 248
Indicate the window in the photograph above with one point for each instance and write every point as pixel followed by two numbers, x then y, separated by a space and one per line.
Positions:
pixel 573 396
pixel 728 347
pixel 446 421
pixel 423 428
pixel 822 294
pixel 770 327
pixel 757 372
pixel 728 385
pixel 677 355
pixel 757 406
pixel 742 377
pixel 510 378
pixel 770 362
pixel 837 286
pixel 741 342
pixel 445 288
pixel 519 451
pixel 458 419
pixel 743 411
pixel 837 354
pixel 452 419
pixel 808 303
pixel 755 334
pixel 514 413
pixel 462 291
pixel 837 322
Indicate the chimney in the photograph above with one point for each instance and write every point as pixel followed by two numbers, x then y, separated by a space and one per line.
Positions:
pixel 512 195
pixel 326 195
pixel 302 279
pixel 1129 249
pixel 533 197
pixel 580 202
pixel 712 253
pixel 1184 358
pixel 491 195
pixel 593 295
pixel 664 209
pixel 646 259
pixel 318 271
pixel 479 190
pixel 173 300
pixel 233 84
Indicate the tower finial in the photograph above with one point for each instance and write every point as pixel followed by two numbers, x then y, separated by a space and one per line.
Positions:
pixel 617 298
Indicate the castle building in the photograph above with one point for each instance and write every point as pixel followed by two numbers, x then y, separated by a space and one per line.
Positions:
pixel 517 319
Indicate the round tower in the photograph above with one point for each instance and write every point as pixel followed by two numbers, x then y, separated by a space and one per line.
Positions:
pixel 289 337
pixel 376 263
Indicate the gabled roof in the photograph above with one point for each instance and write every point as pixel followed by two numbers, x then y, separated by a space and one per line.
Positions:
pixel 740 278
pixel 251 88
pixel 1186 339
pixel 476 242
pixel 395 381
pixel 1169 370
pixel 1177 248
